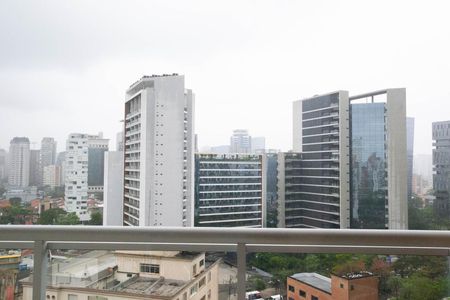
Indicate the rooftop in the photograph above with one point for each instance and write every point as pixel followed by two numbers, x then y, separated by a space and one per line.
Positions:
pixel 315 280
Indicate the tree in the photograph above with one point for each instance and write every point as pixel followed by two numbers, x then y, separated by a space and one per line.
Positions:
pixel 68 219
pixel 96 219
pixel 418 287
pixel 50 216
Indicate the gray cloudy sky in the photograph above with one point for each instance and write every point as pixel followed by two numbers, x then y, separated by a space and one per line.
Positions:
pixel 65 65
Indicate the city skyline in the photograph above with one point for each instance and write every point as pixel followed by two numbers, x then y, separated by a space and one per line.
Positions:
pixel 65 77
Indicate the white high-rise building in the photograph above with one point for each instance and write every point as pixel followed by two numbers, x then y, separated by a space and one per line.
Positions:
pixel 3 164
pixel 19 162
pixel 258 144
pixel 240 142
pixel 159 153
pixel 48 151
pixel 113 189
pixel 52 176
pixel 81 166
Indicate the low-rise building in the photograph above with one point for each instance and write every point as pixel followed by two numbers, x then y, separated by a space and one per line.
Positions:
pixel 351 286
pixel 102 275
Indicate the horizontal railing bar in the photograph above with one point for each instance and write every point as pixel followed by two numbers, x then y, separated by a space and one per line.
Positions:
pixel 350 250
pixel 140 246
pixel 16 245
pixel 231 236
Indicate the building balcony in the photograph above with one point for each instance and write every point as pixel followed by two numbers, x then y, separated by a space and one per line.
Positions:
pixel 43 239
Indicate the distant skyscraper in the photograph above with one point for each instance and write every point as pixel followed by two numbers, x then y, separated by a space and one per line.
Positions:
pixel 52 176
pixel 229 190
pixel 19 162
pixel 3 164
pixel 82 174
pixel 410 152
pixel 35 168
pixel 60 162
pixel 441 162
pixel 159 153
pixel 240 142
pixel 48 151
pixel 258 144
pixel 222 149
pixel 351 167
pixel 113 189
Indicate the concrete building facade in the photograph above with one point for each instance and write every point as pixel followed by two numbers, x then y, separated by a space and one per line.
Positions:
pixel 320 195
pixel 159 153
pixel 35 168
pixel 19 162
pixel 441 167
pixel 3 164
pixel 83 152
pixel 229 190
pixel 52 176
pixel 113 189
pixel 48 151
pixel 410 152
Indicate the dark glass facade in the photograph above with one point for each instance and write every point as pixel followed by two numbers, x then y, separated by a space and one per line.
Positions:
pixel 228 190
pixel 312 177
pixel 96 159
pixel 368 166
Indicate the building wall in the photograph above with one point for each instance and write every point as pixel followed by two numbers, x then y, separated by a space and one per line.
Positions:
pixel 159 140
pixel 397 159
pixel 76 188
pixel 48 151
pixel 3 164
pixel 309 291
pixel 410 152
pixel 317 195
pixel 35 168
pixel 441 163
pixel 19 162
pixel 52 176
pixel 365 288
pixel 229 190
pixel 113 189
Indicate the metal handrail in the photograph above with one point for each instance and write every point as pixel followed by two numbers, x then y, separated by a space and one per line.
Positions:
pixel 242 240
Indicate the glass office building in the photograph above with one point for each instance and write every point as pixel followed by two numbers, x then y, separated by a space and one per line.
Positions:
pixel 368 166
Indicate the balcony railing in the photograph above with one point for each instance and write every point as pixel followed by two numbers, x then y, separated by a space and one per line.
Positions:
pixel 45 238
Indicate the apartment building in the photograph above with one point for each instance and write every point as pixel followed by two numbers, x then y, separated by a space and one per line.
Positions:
pixel 19 162
pixel 159 153
pixel 83 171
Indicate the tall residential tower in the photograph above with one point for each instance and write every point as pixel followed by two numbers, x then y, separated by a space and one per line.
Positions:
pixel 159 153
pixel 19 162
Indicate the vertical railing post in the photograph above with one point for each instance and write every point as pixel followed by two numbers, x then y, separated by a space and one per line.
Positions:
pixel 242 270
pixel 40 270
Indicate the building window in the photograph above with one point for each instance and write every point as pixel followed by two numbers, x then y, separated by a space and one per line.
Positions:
pixel 194 270
pixel 194 289
pixel 209 276
pixel 149 268
pixel 291 288
pixel 314 298
pixel 203 298
pixel 97 298
pixel 341 285
pixel 302 293
pixel 202 262
pixel 185 296
pixel 72 297
pixel 202 282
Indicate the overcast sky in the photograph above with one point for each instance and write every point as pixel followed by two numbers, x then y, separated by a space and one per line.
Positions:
pixel 65 65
